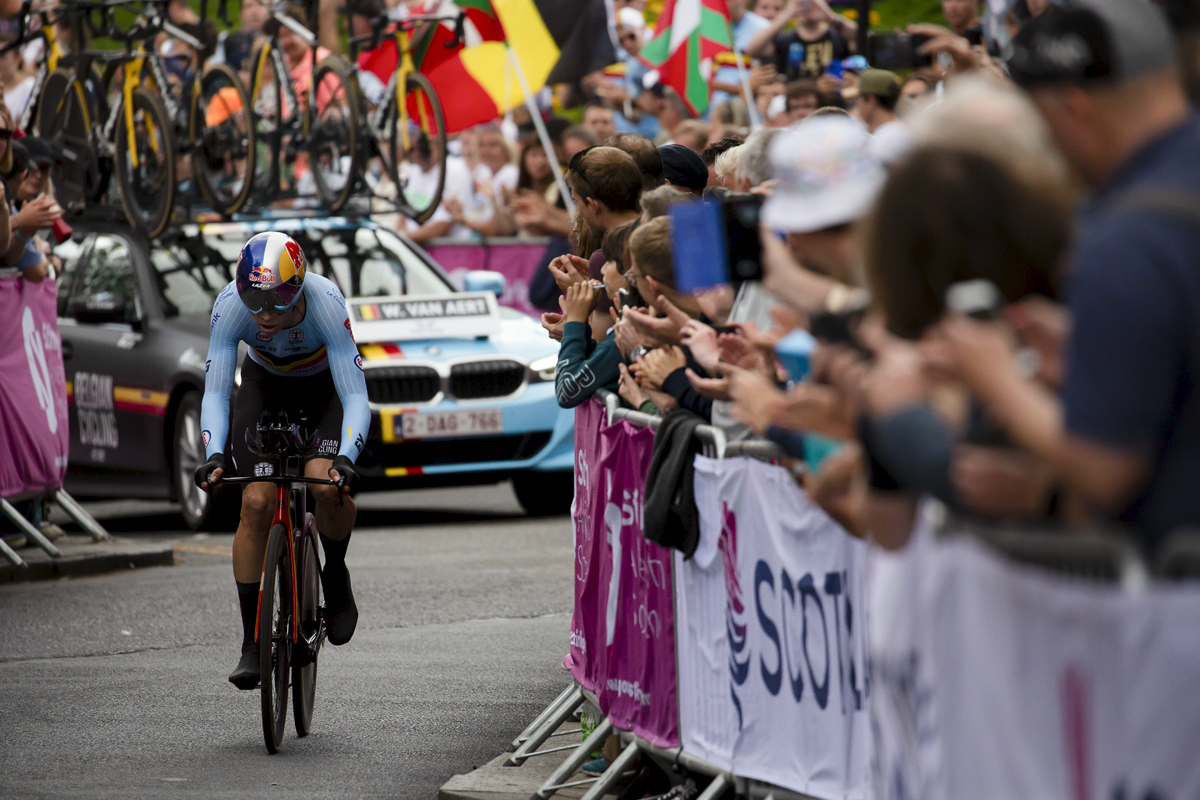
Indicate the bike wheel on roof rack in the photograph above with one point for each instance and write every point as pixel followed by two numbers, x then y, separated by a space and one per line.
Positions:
pixel 419 167
pixel 332 128
pixel 145 164
pixel 222 134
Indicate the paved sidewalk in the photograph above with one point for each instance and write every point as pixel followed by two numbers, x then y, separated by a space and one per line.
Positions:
pixel 495 781
pixel 82 556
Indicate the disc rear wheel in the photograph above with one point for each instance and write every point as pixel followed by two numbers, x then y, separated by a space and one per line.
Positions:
pixel 275 622
pixel 304 677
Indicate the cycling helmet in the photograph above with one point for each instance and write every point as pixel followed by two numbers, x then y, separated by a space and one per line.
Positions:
pixel 270 272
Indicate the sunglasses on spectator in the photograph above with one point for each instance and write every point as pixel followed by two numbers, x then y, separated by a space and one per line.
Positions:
pixel 5 134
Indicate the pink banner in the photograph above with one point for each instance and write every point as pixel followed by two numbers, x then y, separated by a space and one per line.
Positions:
pixel 516 261
pixel 639 679
pixel 591 552
pixel 33 392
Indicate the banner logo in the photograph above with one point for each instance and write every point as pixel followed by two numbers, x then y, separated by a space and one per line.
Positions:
pixel 735 609
pixel 39 371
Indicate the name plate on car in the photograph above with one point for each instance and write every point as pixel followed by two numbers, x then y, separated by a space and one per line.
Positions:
pixel 462 315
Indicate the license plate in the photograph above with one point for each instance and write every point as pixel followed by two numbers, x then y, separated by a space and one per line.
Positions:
pixel 450 423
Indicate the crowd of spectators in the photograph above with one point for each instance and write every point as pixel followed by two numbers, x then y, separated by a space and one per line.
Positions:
pixel 967 333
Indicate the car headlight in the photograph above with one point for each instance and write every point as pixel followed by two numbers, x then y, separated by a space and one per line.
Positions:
pixel 543 368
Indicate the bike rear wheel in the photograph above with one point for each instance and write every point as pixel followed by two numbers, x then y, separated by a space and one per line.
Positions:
pixel 419 171
pixel 223 156
pixel 275 622
pixel 332 127
pixel 65 114
pixel 147 188
pixel 268 114
pixel 308 575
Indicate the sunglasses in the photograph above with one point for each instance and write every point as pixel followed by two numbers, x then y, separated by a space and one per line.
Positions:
pixel 5 134
pixel 629 37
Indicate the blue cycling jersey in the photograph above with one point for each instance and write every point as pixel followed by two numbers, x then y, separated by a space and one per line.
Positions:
pixel 321 341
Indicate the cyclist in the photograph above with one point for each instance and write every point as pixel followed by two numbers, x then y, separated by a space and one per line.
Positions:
pixel 302 361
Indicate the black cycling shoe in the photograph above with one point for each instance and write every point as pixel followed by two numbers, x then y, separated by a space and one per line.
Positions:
pixel 246 676
pixel 341 614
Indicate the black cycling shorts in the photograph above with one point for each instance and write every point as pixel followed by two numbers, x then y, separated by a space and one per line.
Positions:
pixel 311 402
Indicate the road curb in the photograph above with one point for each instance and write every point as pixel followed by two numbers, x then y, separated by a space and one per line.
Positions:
pixel 91 564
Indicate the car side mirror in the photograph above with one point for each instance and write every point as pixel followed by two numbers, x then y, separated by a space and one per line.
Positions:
pixel 483 280
pixel 99 308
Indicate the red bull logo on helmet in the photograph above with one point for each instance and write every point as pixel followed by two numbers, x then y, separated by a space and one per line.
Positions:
pixel 261 277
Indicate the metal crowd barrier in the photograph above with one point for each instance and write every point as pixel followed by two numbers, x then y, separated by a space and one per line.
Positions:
pixel 525 746
pixel 1098 555
pixel 67 503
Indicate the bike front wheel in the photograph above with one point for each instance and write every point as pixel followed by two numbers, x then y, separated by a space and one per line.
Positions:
pixel 333 128
pixel 419 165
pixel 146 164
pixel 275 620
pixel 304 676
pixel 223 134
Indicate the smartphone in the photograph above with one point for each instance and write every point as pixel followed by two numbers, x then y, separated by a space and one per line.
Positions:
pixel 894 51
pixel 979 299
pixel 715 242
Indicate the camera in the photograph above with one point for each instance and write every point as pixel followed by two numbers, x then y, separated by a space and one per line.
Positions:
pixel 893 51
pixel 716 241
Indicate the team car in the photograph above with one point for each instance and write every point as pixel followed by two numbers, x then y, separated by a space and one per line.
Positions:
pixel 461 390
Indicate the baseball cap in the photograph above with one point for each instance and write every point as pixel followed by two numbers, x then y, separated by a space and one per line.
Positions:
pixel 879 83
pixel 683 167
pixel 40 151
pixel 1092 40
pixel 825 175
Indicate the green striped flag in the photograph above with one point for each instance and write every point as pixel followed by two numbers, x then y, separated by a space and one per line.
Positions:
pixel 689 34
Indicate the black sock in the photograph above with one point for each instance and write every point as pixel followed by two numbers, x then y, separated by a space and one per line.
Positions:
pixel 335 552
pixel 248 600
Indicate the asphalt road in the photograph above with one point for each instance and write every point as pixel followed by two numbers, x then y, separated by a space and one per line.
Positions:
pixel 115 685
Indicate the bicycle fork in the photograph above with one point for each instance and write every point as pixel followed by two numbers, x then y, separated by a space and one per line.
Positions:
pixel 282 517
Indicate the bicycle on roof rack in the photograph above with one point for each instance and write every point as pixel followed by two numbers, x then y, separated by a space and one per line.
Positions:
pixel 147 125
pixel 291 616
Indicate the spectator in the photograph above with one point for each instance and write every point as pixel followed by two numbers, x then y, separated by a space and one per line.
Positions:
pixel 770 103
pixel 298 58
pixel 644 154
pixel 692 134
pixel 726 80
pixel 583 365
pixel 754 162
pixel 802 100
pixel 636 108
pixel 16 83
pixel 683 168
pixel 495 177
pixel 879 92
pixel 725 168
pixel 575 139
pixel 713 151
pixel 423 174
pixel 977 220
pixel 963 16
pixel 599 120
pixel 1125 434
pixel 821 36
pixel 37 210
pixel 767 9
pixel 234 47
pixel 656 201
pixel 670 111
pixel 915 95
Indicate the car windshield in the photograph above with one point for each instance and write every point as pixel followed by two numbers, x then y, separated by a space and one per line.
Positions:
pixel 375 263
pixel 363 262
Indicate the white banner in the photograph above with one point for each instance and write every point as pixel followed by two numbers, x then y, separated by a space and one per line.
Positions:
pixel 993 681
pixel 771 640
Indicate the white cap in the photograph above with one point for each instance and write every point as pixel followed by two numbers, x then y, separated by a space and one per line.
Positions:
pixel 631 18
pixel 825 175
